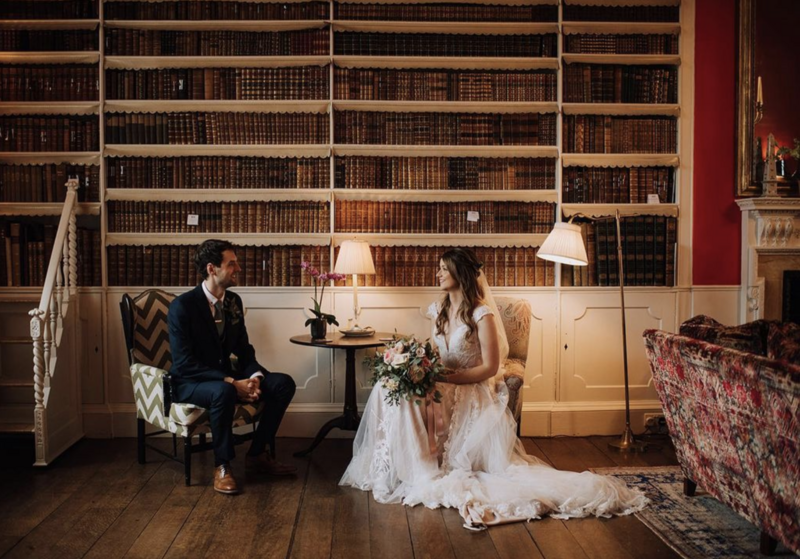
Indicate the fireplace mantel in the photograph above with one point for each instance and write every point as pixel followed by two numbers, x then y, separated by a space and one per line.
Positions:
pixel 770 245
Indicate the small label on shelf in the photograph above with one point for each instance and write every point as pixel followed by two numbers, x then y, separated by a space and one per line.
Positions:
pixel 473 216
pixel 192 219
pixel 653 199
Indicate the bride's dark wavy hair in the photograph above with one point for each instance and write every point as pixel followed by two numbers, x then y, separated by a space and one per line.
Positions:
pixel 465 268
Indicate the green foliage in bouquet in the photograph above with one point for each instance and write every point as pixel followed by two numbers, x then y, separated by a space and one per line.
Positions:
pixel 408 369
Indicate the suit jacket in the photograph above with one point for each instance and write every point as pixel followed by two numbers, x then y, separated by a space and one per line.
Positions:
pixel 199 354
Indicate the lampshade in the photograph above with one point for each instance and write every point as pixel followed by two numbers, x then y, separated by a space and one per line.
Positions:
pixel 354 258
pixel 564 244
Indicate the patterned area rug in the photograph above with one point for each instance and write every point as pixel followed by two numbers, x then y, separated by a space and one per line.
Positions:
pixel 695 527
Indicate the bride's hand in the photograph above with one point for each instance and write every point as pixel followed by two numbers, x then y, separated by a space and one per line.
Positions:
pixel 445 376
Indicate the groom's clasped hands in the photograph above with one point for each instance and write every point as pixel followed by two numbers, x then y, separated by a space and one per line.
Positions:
pixel 248 390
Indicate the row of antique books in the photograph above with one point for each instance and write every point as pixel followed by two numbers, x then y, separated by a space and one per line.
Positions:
pixel 219 172
pixel 368 216
pixel 416 266
pixel 25 249
pixel 574 11
pixel 157 42
pixel 618 83
pixel 49 82
pixel 592 43
pixel 593 185
pixel 27 40
pixel 445 173
pixel 47 182
pixel 464 129
pixel 648 252
pixel 264 266
pixel 444 85
pixel 49 9
pixel 49 133
pixel 90 264
pixel 619 134
pixel 445 12
pixel 173 265
pixel 353 43
pixel 166 216
pixel 226 9
pixel 215 10
pixel 217 128
pixel 305 82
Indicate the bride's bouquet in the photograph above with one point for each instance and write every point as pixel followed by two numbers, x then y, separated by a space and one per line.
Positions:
pixel 408 369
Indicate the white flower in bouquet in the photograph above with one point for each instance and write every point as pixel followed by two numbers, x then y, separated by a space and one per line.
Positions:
pixel 400 359
pixel 391 384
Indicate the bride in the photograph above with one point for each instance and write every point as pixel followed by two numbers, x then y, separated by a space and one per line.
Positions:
pixel 476 464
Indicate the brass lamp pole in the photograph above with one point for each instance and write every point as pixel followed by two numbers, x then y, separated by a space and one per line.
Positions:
pixel 627 442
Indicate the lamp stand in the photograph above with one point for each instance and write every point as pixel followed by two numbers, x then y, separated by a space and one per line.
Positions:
pixel 356 309
pixel 627 442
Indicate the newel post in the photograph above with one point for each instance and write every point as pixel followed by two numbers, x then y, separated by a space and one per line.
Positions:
pixel 37 323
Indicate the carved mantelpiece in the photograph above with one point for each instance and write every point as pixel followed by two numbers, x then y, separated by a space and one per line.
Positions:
pixel 770 244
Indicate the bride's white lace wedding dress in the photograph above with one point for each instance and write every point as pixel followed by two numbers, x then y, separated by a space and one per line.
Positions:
pixel 481 468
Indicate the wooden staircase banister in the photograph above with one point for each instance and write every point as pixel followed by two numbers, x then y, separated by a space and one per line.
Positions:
pixel 48 326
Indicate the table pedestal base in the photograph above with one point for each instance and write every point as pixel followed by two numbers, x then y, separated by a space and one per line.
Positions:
pixel 347 422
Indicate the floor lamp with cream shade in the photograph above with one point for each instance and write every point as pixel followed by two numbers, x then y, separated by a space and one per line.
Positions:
pixel 565 245
pixel 354 258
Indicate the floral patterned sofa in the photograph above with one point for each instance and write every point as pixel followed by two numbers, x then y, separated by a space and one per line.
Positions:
pixel 731 397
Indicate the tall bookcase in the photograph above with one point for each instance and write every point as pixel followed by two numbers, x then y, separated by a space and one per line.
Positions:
pixel 290 127
pixel 50 65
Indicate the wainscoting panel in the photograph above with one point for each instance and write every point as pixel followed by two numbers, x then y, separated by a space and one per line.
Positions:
pixel 591 344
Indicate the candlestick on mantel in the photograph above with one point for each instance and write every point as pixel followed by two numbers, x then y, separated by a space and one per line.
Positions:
pixel 760 93
pixel 769 186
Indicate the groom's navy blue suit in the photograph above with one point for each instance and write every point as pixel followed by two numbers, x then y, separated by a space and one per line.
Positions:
pixel 201 361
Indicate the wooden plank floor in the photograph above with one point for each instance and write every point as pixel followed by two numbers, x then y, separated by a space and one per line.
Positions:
pixel 97 501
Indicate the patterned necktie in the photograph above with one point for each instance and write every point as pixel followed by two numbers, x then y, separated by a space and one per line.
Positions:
pixel 219 318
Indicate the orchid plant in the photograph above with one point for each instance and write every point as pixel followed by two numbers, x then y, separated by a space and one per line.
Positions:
pixel 320 278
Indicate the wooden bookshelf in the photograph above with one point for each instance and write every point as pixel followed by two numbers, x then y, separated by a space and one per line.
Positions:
pixel 629 59
pixel 34 209
pixel 377 30
pixel 51 105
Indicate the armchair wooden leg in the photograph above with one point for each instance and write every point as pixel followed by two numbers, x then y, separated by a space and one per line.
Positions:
pixel 689 487
pixel 187 460
pixel 174 445
pixel 768 544
pixel 140 445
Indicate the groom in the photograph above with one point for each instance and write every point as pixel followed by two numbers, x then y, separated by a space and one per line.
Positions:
pixel 206 326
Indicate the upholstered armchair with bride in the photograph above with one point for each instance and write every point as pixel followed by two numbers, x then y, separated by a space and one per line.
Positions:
pixel 515 315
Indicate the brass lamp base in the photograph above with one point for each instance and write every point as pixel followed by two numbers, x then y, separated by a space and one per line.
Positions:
pixel 627 443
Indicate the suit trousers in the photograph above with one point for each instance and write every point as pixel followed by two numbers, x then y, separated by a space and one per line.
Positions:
pixel 220 398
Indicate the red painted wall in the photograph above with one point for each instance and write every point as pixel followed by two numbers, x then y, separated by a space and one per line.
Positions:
pixel 716 219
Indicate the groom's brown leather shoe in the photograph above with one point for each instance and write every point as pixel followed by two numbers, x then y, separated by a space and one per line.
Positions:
pixel 266 464
pixel 223 480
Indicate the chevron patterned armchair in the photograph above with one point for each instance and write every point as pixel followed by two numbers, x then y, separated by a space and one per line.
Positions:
pixel 144 321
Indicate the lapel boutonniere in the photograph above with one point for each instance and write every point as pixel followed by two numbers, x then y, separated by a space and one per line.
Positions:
pixel 233 311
